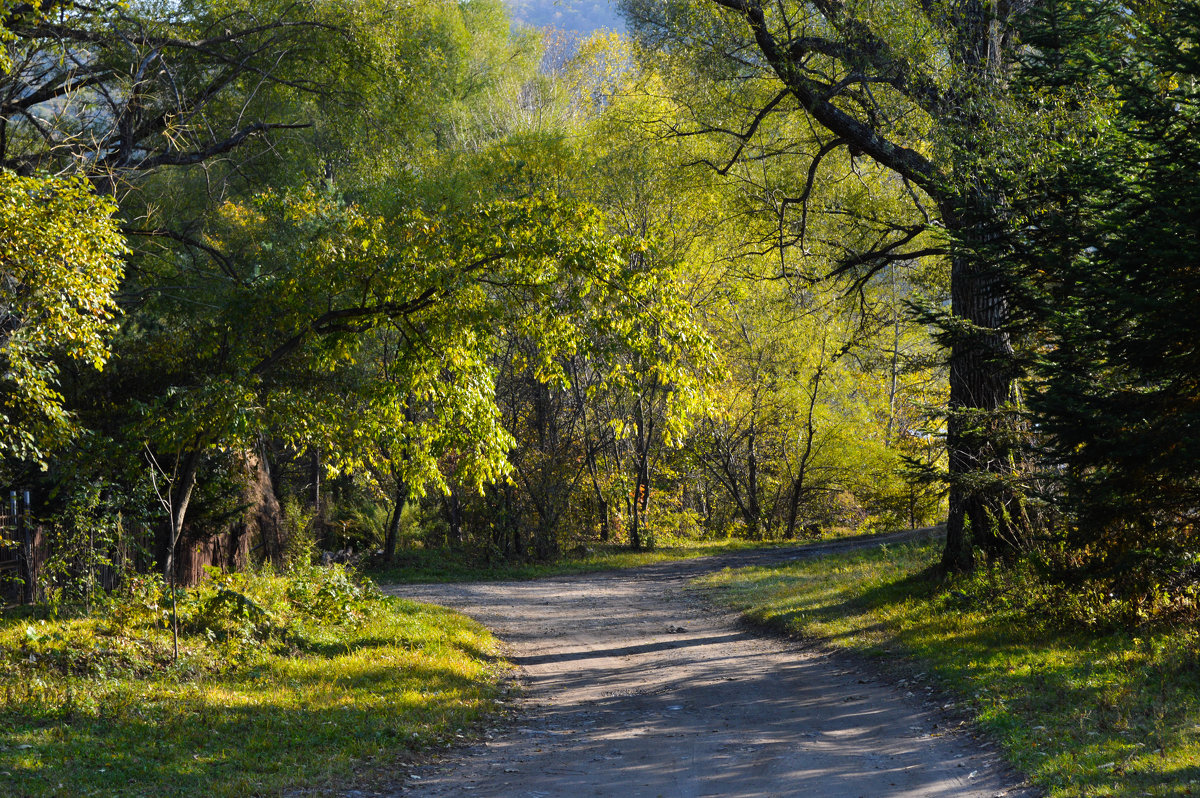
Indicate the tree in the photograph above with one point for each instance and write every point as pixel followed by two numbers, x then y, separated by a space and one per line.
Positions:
pixel 1103 238
pixel 289 344
pixel 911 90
pixel 185 112
pixel 60 262
pixel 624 392
pixel 117 89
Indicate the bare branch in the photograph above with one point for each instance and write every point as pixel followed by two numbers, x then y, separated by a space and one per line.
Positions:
pixel 813 95
pixel 218 148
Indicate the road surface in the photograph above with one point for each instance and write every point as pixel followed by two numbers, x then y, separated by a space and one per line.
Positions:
pixel 633 686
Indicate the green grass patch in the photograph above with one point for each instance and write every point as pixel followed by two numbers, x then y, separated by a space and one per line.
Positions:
pixel 442 565
pixel 1083 712
pixel 310 681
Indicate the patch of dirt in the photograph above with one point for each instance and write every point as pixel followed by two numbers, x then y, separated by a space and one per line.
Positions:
pixel 635 687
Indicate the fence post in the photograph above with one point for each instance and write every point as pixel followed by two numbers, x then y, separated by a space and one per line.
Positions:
pixel 26 558
pixel 30 541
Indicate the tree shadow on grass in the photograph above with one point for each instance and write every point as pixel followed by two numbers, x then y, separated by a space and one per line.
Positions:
pixel 322 648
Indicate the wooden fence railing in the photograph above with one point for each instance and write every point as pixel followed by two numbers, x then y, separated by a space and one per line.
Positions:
pixel 22 555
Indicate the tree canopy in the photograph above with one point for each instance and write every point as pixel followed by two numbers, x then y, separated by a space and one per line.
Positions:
pixel 396 274
pixel 60 263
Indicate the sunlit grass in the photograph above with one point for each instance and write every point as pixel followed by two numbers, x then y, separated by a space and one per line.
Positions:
pixel 1084 714
pixel 313 711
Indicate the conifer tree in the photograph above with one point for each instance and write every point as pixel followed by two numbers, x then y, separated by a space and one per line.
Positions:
pixel 1105 238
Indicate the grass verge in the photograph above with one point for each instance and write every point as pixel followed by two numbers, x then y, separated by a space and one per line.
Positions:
pixel 1084 713
pixel 307 682
pixel 442 565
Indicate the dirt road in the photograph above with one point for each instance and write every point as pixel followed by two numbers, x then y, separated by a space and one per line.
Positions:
pixel 634 687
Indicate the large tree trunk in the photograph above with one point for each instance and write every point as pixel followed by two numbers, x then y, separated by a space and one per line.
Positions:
pixel 978 434
pixel 263 520
pixel 983 496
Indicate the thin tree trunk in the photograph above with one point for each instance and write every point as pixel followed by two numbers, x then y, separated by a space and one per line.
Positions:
pixel 810 429
pixel 754 514
pixel 454 535
pixel 601 502
pixel 894 376
pixel 393 530
pixel 641 477
pixel 179 495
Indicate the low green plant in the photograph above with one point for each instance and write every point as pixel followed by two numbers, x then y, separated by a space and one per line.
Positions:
pixel 298 531
pixel 82 539
pixel 1085 709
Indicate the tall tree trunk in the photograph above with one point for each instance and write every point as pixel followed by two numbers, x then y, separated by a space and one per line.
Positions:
pixel 754 512
pixel 981 385
pixel 318 512
pixel 794 502
pixel 981 491
pixel 179 485
pixel 641 488
pixel 602 508
pixel 601 502
pixel 454 534
pixel 810 430
pixel 179 497
pixel 894 365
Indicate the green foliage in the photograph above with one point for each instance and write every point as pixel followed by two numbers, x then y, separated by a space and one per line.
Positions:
pixel 1103 241
pixel 816 408
pixel 431 276
pixel 299 532
pixel 60 252
pixel 878 117
pixel 432 293
pixel 196 77
pixel 394 99
pixel 86 538
pixel 246 615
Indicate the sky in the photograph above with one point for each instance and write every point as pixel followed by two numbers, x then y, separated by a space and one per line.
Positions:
pixel 578 16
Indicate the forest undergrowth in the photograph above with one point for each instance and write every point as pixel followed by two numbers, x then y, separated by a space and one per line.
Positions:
pixel 307 680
